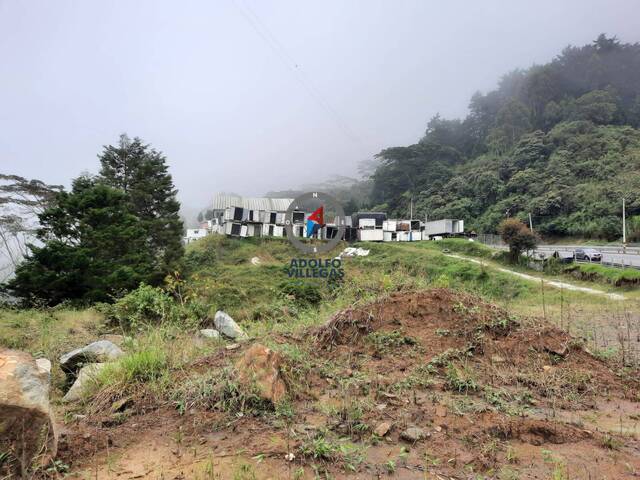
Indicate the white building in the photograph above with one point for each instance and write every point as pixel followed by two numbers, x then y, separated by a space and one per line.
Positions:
pixel 194 234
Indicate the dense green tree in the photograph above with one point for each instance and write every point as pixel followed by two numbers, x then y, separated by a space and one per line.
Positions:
pixel 557 141
pixel 142 174
pixel 92 248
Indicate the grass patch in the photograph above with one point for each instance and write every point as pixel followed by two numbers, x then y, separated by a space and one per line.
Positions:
pixel 384 342
pixel 465 247
pixel 618 277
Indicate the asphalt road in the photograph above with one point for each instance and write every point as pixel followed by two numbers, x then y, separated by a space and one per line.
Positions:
pixel 609 254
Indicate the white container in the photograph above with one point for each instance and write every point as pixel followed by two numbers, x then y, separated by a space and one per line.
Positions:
pixel 387 236
pixel 446 226
pixel 367 223
pixel 389 225
pixel 370 235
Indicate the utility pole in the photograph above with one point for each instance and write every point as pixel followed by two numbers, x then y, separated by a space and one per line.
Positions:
pixel 624 228
pixel 411 209
pixel 530 224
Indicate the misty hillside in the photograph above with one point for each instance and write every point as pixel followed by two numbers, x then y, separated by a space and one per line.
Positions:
pixel 559 141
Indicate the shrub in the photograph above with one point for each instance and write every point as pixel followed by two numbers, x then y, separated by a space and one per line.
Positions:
pixel 308 293
pixel 152 305
pixel 518 236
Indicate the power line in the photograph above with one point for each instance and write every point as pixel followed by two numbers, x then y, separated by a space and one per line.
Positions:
pixel 276 46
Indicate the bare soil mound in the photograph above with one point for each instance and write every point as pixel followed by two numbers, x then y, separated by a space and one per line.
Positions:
pixel 429 384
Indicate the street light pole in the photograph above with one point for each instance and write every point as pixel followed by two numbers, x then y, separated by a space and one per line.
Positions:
pixel 624 227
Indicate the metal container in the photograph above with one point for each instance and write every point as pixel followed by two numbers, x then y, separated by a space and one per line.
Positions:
pixel 371 235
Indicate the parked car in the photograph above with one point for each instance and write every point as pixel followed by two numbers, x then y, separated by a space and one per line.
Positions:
pixel 588 254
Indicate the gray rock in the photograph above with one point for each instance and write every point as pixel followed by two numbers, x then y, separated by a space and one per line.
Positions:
pixel 210 333
pixel 96 352
pixel 27 427
pixel 228 327
pixel 44 365
pixel 413 434
pixel 86 376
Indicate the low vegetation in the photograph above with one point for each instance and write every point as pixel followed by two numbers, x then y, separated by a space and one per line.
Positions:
pixel 407 330
pixel 619 277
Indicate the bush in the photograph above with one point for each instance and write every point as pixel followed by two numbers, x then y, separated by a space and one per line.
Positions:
pixel 152 305
pixel 518 236
pixel 304 292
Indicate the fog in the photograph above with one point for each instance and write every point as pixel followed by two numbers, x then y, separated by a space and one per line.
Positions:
pixel 252 96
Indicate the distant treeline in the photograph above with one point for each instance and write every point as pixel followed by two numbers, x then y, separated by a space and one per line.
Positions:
pixel 559 141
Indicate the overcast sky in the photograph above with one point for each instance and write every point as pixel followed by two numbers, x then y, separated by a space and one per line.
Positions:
pixel 253 95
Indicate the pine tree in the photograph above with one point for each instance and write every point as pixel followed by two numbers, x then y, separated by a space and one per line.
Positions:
pixel 93 248
pixel 142 174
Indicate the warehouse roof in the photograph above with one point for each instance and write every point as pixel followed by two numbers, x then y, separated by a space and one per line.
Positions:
pixel 222 201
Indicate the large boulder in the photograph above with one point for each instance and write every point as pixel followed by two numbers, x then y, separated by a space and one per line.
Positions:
pixel 228 327
pixel 27 428
pixel 259 368
pixel 86 377
pixel 96 352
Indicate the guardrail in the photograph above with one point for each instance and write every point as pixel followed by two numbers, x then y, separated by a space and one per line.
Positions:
pixel 617 249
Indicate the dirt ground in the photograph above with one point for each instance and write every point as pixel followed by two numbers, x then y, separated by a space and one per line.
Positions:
pixel 491 396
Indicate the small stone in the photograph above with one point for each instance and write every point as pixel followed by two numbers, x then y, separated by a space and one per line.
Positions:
pixel 438 428
pixel 382 429
pixel 413 434
pixel 547 368
pixel 561 351
pixel 498 359
pixel 441 411
pixel 381 406
pixel 232 346
pixel 210 333
pixel 44 365
pixel 289 457
pixel 255 261
pixel 122 404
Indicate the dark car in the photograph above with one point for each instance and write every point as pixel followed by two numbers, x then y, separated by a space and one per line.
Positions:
pixel 587 254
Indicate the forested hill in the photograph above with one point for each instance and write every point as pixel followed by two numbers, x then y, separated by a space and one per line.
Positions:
pixel 559 141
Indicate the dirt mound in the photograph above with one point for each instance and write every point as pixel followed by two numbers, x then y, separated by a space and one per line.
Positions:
pixel 441 328
pixel 487 392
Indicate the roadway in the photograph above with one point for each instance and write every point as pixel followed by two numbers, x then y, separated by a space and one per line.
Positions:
pixel 610 254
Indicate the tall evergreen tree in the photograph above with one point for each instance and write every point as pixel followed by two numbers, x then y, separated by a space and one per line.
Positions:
pixel 142 174
pixel 93 248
